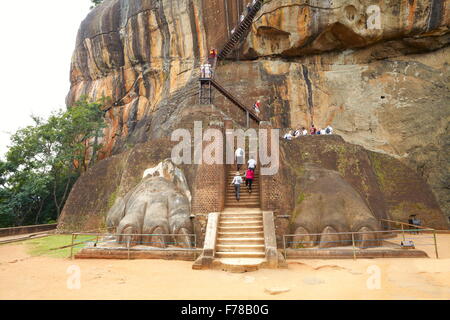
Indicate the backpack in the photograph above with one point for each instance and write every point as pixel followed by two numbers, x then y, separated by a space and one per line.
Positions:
pixel 328 131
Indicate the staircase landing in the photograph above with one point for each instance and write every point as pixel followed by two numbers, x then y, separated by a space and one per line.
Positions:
pixel 239 265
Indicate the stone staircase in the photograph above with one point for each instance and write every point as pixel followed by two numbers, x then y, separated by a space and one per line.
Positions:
pixel 241 238
pixel 240 234
pixel 248 200
pixel 240 244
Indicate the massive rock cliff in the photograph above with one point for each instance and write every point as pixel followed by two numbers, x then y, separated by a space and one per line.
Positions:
pixel 376 70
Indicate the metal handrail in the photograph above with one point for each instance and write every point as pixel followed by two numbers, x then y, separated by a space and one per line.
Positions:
pixel 353 240
pixel 98 235
pixel 406 224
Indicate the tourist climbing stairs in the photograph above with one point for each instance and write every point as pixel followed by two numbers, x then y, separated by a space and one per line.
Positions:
pixel 247 199
pixel 207 83
pixel 241 229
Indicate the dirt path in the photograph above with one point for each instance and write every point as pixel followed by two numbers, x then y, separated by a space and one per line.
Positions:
pixel 25 277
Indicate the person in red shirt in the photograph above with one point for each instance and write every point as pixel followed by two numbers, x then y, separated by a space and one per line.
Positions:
pixel 249 177
pixel 313 130
pixel 256 106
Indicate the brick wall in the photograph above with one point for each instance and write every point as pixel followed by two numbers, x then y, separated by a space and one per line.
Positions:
pixel 209 186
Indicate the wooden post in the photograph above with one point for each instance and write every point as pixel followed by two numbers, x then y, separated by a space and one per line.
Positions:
pixel 403 232
pixel 248 120
pixel 71 248
pixel 284 245
pixel 435 244
pixel 354 249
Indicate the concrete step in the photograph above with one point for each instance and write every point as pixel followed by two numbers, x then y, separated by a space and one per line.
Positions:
pixel 240 240
pixel 241 229
pixel 240 217
pixel 238 265
pixel 240 248
pixel 240 234
pixel 241 202
pixel 254 202
pixel 242 198
pixel 248 223
pixel 220 254
pixel 243 193
pixel 242 211
pixel 228 218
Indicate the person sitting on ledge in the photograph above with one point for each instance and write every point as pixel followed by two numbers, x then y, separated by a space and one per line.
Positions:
pixel 288 136
pixel 313 130
pixel 304 131
pixel 329 130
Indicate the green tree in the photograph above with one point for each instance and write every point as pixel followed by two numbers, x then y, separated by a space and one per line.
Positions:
pixel 44 161
pixel 96 3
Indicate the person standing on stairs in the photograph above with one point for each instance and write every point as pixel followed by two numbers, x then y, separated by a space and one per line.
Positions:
pixel 239 155
pixel 249 177
pixel 237 181
pixel 256 106
pixel 208 71
pixel 252 164
pixel 202 71
pixel 212 56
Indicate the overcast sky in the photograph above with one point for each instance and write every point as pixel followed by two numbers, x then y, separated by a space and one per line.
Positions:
pixel 37 41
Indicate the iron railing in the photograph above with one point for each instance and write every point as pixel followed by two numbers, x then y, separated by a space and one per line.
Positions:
pixel 346 239
pixel 100 239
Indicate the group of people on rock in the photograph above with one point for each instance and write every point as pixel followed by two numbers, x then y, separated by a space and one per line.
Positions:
pixel 294 134
pixel 249 176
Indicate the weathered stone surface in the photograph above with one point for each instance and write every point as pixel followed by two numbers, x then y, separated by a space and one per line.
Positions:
pixel 157 206
pixel 304 239
pixel 385 89
pixel 345 177
pixel 366 239
pixel 331 205
pixel 298 27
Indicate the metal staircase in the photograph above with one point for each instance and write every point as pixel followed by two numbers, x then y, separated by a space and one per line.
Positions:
pixel 241 30
pixel 206 84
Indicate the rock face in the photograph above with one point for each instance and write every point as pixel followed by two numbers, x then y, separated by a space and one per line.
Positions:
pixel 159 205
pixel 329 205
pixel 377 71
pixel 320 169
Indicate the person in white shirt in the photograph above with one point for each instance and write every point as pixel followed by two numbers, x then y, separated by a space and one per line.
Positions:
pixel 304 131
pixel 202 70
pixel 322 131
pixel 252 164
pixel 239 155
pixel 208 71
pixel 288 136
pixel 237 181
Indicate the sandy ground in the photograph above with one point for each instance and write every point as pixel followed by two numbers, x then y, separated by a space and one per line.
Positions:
pixel 25 277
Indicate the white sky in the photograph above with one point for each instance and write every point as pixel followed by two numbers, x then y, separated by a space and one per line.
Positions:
pixel 37 41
